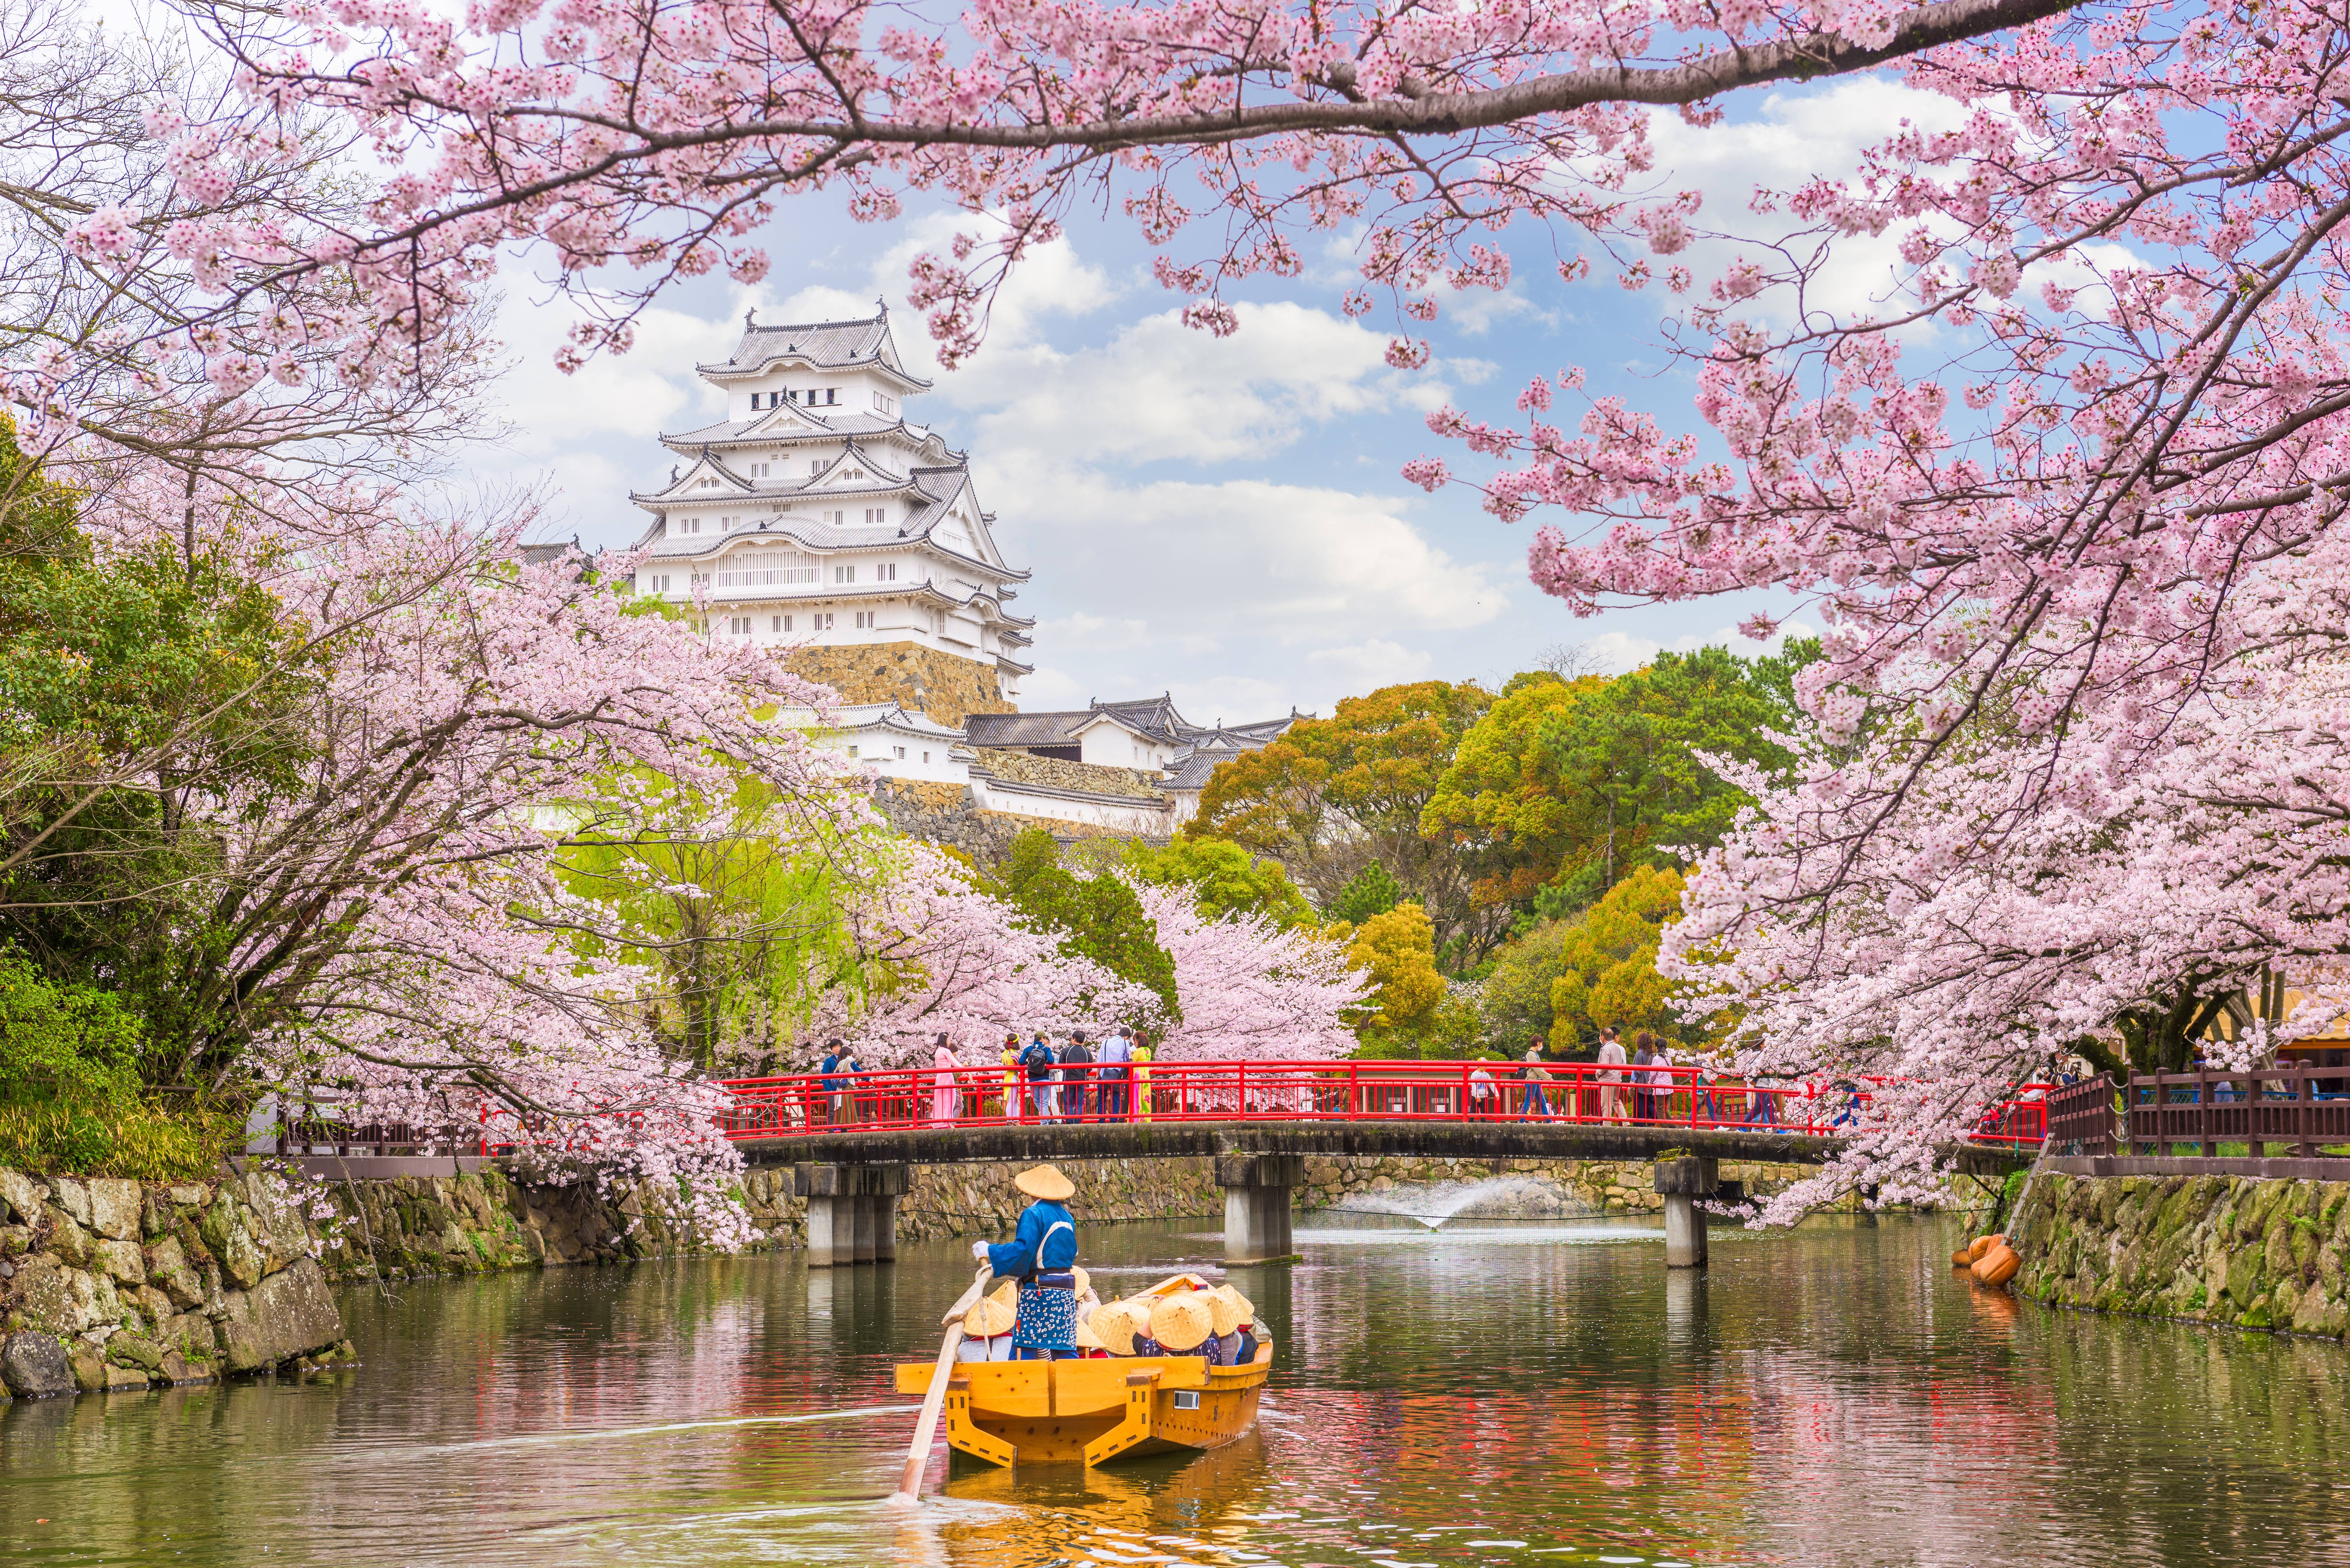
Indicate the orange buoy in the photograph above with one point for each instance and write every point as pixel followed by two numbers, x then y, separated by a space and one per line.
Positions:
pixel 1998 1266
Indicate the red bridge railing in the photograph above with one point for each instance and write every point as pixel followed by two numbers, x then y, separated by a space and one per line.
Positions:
pixel 809 1105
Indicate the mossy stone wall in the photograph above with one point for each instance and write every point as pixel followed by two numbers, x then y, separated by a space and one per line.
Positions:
pixel 2249 1251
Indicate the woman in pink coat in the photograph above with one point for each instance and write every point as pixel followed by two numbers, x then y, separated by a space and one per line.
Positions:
pixel 946 1100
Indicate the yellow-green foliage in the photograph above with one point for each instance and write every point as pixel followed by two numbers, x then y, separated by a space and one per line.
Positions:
pixel 1398 950
pixel 141 1142
pixel 1607 959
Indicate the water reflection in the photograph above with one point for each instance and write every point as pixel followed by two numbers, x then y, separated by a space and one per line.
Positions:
pixel 1499 1394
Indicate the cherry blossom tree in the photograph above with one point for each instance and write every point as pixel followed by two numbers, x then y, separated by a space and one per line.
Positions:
pixel 941 957
pixel 1250 990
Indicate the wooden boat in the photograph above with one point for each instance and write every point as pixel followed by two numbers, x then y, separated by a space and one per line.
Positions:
pixel 1093 1410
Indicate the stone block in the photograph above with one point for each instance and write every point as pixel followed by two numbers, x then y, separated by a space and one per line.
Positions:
pixel 25 1197
pixel 178 1368
pixel 119 1259
pixel 231 1245
pixel 190 1195
pixel 169 1269
pixel 73 1197
pixel 114 1209
pixel 68 1239
pixel 128 1349
pixel 289 1314
pixel 35 1366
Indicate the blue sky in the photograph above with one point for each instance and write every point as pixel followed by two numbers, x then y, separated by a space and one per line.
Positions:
pixel 1223 519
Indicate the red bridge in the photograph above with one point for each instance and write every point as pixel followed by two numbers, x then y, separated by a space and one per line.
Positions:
pixel 1669 1101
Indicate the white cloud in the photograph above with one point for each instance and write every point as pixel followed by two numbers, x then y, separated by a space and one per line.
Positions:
pixel 1201 562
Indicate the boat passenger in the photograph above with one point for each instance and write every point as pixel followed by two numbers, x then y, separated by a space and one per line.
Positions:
pixel 1042 1257
pixel 1113 1325
pixel 1225 1315
pixel 1181 1324
pixel 987 1327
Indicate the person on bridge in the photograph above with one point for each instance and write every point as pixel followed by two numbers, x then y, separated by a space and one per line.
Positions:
pixel 1611 1059
pixel 1117 1055
pixel 1141 1077
pixel 1037 1062
pixel 1042 1256
pixel 1011 1060
pixel 1078 1059
pixel 1537 1102
pixel 946 1100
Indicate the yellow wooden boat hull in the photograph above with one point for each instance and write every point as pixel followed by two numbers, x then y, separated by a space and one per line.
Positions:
pixel 1092 1411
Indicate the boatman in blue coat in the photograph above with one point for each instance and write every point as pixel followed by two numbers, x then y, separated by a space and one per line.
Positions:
pixel 1042 1256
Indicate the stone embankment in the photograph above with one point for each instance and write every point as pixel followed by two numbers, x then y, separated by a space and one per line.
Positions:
pixel 2253 1252
pixel 117 1285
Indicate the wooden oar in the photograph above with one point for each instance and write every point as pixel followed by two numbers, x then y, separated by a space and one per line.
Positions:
pixel 926 1425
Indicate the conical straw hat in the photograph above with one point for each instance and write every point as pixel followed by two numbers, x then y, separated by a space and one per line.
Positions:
pixel 1114 1326
pixel 1079 1283
pixel 1181 1324
pixel 989 1316
pixel 1086 1338
pixel 1043 1181
pixel 1224 1310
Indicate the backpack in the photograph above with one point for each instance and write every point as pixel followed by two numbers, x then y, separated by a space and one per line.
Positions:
pixel 1037 1056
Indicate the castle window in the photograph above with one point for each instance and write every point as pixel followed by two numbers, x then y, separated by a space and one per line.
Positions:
pixel 766 568
pixel 820 622
pixel 834 518
pixel 779 623
pixel 852 753
pixel 661 583
pixel 690 526
pixel 815 466
pixel 898 752
pixel 844 574
pixel 740 626
pixel 832 395
pixel 865 620
pixel 887 572
pixel 761 470
pixel 925 757
pixel 874 514
pixel 882 405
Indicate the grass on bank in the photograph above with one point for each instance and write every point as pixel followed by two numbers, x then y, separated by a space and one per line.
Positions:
pixel 133 1139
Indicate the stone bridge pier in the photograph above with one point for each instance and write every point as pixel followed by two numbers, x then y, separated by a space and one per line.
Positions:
pixel 1257 1189
pixel 1683 1182
pixel 852 1212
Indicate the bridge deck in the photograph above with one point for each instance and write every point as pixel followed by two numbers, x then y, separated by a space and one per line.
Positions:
pixel 1428 1140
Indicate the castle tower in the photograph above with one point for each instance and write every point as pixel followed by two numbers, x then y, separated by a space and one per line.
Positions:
pixel 815 516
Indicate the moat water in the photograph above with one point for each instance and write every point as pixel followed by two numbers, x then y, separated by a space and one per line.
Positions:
pixel 1489 1394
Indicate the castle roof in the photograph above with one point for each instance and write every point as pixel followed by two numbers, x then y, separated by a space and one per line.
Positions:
pixel 821 345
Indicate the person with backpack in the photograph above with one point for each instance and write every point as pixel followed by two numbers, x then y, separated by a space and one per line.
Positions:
pixel 1076 1068
pixel 1036 1065
pixel 833 1079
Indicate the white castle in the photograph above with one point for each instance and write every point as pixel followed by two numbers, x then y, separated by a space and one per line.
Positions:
pixel 815 514
pixel 816 517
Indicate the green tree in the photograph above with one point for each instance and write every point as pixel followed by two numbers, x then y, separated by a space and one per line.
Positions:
pixel 1566 787
pixel 139 690
pixel 1097 917
pixel 1397 949
pixel 1336 794
pixel 735 907
pixel 1370 891
pixel 1501 805
pixel 1225 878
pixel 1607 962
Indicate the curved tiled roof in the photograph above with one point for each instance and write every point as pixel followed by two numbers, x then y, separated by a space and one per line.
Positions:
pixel 828 345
